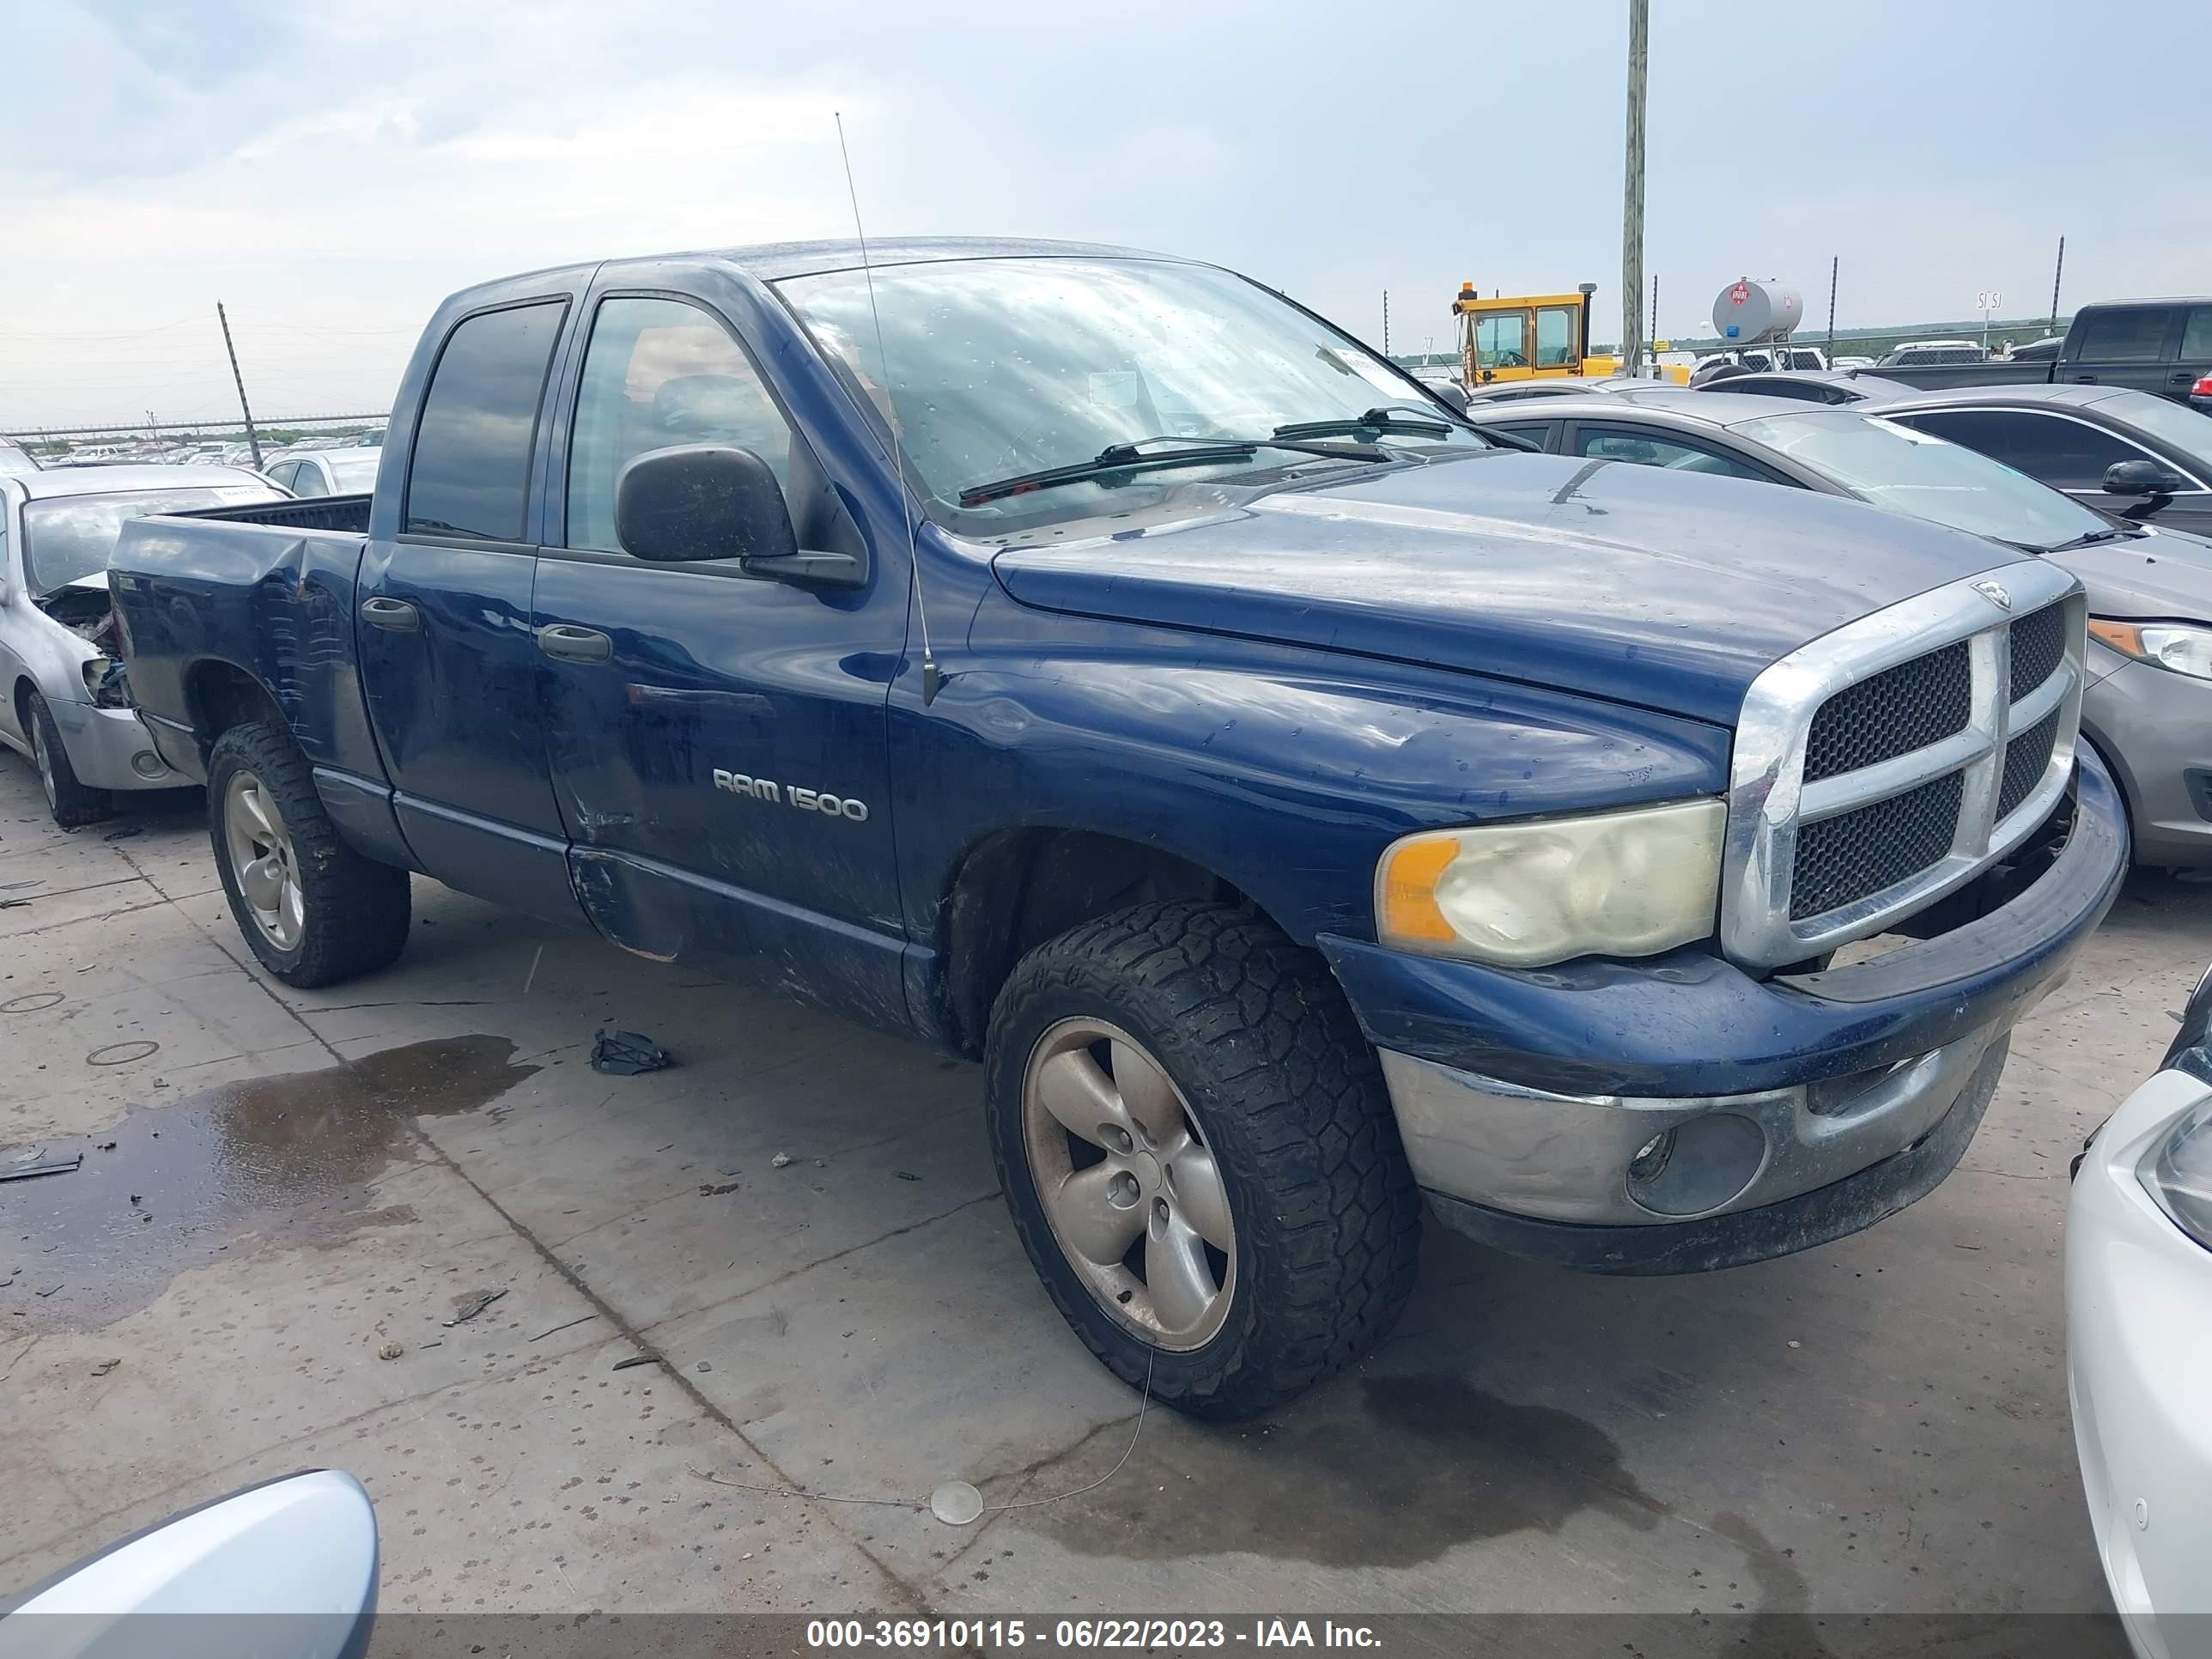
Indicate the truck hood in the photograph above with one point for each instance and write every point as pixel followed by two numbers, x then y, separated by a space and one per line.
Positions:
pixel 1643 585
pixel 2163 576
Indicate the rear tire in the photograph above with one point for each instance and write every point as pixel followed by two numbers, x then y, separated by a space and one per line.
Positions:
pixel 72 804
pixel 313 910
pixel 1300 1192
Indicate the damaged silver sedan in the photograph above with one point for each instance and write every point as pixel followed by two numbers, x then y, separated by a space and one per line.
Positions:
pixel 65 705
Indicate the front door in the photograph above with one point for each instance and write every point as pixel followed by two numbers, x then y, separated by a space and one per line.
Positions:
pixel 718 742
pixel 442 616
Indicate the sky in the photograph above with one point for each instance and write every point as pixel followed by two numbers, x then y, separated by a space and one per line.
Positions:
pixel 329 171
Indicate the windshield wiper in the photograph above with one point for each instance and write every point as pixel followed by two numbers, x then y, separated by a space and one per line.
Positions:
pixel 1374 420
pixel 2090 539
pixel 1133 458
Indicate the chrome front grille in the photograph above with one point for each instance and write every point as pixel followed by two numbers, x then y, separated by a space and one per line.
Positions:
pixel 1885 764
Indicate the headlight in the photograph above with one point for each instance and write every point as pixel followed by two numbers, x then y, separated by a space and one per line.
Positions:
pixel 104 684
pixel 2178 645
pixel 2176 1171
pixel 1628 883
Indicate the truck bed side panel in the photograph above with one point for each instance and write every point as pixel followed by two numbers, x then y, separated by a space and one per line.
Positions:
pixel 1935 376
pixel 201 598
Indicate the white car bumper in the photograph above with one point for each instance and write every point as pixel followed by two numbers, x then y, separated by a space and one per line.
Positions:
pixel 2139 1373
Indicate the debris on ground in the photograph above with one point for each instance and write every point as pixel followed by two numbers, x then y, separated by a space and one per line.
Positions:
pixel 904 1175
pixel 716 1189
pixel 470 1303
pixel 626 1053
pixel 706 1365
pixel 107 1145
pixel 13 904
pixel 49 1291
pixel 390 1351
pixel 125 833
pixel 571 1324
pixel 26 1171
pixel 105 1366
pixel 637 1359
pixel 781 1160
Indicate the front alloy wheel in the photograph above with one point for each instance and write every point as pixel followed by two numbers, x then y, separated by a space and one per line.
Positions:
pixel 1128 1184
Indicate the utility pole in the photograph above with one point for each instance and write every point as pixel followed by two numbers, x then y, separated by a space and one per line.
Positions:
pixel 1835 265
pixel 1653 319
pixel 1386 322
pixel 2056 272
pixel 253 438
pixel 1632 194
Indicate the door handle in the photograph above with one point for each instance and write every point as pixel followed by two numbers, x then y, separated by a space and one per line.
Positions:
pixel 571 644
pixel 396 615
pixel 2181 376
pixel 2087 379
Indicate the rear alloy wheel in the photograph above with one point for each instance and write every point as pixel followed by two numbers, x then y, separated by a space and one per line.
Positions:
pixel 72 803
pixel 310 908
pixel 1199 1154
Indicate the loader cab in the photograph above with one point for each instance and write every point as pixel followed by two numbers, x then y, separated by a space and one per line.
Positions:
pixel 1525 337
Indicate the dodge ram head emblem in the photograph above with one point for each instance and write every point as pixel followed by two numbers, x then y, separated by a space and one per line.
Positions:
pixel 1994 593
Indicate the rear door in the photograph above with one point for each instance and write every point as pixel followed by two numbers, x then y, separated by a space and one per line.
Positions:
pixel 2130 346
pixel 449 663
pixel 719 741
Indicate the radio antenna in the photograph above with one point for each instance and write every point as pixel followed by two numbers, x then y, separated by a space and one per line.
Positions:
pixel 931 678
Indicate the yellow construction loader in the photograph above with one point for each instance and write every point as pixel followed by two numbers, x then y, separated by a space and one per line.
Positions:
pixel 1534 336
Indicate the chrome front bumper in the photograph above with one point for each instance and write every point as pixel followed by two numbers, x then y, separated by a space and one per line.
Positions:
pixel 1574 1159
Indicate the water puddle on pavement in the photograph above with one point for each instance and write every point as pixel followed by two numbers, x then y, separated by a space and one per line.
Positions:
pixel 283 1160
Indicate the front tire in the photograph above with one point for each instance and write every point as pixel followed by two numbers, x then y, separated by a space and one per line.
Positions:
pixel 72 804
pixel 1199 1155
pixel 313 910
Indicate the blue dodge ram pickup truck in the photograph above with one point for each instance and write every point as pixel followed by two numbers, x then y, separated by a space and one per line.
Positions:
pixel 1096 663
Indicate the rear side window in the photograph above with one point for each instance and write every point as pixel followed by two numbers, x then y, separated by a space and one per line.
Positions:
pixel 1649 449
pixel 2131 336
pixel 471 473
pixel 2066 453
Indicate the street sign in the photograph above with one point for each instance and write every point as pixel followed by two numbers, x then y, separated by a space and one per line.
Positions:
pixel 1989 300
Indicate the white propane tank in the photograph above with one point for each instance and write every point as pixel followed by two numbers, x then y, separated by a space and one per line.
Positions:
pixel 1752 313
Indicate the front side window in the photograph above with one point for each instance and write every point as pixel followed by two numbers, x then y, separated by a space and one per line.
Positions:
pixel 2066 454
pixel 68 538
pixel 471 472
pixel 1908 472
pixel 2134 334
pixel 1556 328
pixel 659 372
pixel 1500 341
pixel 1651 449
pixel 998 369
pixel 2196 336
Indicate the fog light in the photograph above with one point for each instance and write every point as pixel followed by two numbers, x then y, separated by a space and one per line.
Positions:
pixel 147 764
pixel 1651 1156
pixel 1697 1167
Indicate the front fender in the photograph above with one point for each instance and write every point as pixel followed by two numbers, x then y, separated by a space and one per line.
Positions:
pixel 1283 771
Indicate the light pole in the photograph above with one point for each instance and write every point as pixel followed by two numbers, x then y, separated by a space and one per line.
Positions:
pixel 1631 193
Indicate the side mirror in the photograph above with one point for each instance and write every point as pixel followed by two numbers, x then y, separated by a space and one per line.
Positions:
pixel 694 503
pixel 2143 478
pixel 1452 393
pixel 289 1566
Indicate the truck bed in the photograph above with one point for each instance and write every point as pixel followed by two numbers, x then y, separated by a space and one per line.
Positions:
pixel 342 512
pixel 1932 376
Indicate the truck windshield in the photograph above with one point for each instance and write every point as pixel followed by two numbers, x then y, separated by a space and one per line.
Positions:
pixel 1923 476
pixel 1002 368
pixel 68 538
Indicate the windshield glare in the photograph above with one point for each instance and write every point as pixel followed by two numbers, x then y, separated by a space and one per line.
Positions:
pixel 1923 476
pixel 1002 367
pixel 69 537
